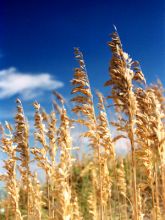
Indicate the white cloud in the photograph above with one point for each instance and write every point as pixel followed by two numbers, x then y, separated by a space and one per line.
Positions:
pixel 77 139
pixel 28 85
pixel 122 146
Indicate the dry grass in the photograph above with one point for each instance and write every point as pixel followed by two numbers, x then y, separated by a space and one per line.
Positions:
pixel 99 186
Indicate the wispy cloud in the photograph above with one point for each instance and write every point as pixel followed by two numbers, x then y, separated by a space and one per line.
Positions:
pixel 77 139
pixel 122 146
pixel 28 85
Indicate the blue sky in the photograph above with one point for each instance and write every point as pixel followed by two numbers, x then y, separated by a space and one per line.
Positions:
pixel 38 36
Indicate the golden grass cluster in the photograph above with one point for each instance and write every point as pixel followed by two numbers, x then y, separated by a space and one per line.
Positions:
pixel 100 185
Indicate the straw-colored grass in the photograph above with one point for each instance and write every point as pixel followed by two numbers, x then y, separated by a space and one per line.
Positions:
pixel 98 184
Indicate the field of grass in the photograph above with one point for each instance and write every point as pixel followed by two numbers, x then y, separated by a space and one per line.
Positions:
pixel 99 185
